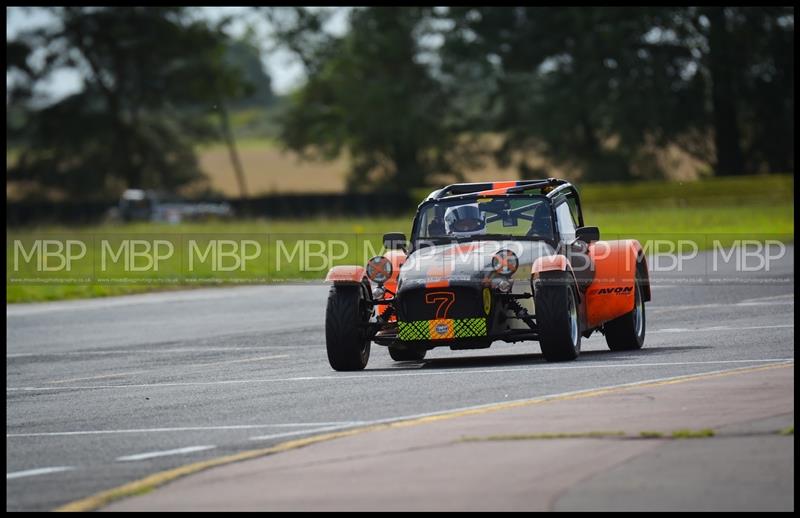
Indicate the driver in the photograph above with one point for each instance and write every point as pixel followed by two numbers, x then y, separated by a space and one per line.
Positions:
pixel 541 224
pixel 464 221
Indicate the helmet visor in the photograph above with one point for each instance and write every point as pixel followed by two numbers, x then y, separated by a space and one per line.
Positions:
pixel 467 225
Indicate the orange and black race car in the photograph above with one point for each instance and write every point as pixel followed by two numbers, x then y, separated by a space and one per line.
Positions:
pixel 508 261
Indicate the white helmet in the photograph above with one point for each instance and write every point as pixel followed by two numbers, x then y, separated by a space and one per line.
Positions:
pixel 464 221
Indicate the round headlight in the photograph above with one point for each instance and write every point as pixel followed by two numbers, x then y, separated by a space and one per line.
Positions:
pixel 505 262
pixel 379 269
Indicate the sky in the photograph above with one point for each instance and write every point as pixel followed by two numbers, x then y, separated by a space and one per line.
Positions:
pixel 285 71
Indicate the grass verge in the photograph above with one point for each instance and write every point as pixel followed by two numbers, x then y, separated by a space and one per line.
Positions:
pixel 692 434
pixel 544 436
pixel 722 210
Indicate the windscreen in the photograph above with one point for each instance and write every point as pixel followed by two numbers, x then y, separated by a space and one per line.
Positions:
pixel 473 217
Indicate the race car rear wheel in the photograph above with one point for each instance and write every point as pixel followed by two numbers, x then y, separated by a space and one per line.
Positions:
pixel 626 333
pixel 346 334
pixel 557 320
pixel 407 355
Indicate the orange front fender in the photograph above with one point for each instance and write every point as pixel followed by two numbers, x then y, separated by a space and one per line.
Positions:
pixel 346 274
pixel 553 263
pixel 549 263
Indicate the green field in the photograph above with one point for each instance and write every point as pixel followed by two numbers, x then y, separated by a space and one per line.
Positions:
pixel 723 209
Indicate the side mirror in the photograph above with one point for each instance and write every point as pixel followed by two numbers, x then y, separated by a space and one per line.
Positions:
pixel 588 234
pixel 394 241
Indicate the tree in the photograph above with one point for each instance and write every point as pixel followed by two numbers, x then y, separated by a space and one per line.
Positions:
pixel 369 95
pixel 585 87
pixel 141 68
pixel 749 55
pixel 594 88
pixel 245 56
pixel 256 90
pixel 722 62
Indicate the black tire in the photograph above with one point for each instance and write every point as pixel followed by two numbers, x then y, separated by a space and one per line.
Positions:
pixel 407 355
pixel 346 335
pixel 626 333
pixel 557 317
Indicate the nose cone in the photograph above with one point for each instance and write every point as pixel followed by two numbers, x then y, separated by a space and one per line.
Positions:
pixel 465 263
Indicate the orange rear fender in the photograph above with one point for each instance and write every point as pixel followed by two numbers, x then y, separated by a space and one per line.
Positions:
pixel 611 293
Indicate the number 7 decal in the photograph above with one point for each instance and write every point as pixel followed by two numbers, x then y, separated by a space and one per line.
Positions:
pixel 445 299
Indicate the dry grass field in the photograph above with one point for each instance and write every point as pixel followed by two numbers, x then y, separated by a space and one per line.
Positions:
pixel 269 169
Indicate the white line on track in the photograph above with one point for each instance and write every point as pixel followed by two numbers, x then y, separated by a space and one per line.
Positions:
pixel 772 297
pixel 99 376
pixel 143 352
pixel 39 471
pixel 716 328
pixel 185 429
pixel 399 374
pixel 722 305
pixel 135 300
pixel 243 360
pixel 192 365
pixel 305 432
pixel 164 453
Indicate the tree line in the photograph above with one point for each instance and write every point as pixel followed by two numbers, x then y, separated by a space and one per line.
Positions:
pixel 412 94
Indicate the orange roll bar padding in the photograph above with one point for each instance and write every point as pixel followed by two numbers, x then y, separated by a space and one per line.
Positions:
pixel 498 188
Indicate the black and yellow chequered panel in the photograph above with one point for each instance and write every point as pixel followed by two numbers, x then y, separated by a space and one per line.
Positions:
pixel 441 329
pixel 468 327
pixel 417 330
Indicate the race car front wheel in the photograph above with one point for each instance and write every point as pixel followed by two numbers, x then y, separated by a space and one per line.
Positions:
pixel 557 320
pixel 626 333
pixel 346 335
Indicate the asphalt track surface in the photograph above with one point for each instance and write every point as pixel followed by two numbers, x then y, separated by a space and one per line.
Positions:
pixel 535 455
pixel 107 391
